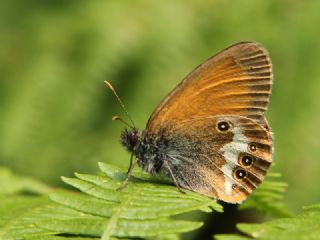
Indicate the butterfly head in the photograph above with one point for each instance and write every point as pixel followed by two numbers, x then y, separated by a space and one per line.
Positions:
pixel 130 139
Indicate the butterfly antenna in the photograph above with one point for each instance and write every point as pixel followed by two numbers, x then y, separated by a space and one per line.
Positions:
pixel 122 105
pixel 117 118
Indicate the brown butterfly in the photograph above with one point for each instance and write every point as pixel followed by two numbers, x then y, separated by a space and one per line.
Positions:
pixel 209 135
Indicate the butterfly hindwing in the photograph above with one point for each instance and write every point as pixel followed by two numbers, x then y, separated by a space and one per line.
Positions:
pixel 224 164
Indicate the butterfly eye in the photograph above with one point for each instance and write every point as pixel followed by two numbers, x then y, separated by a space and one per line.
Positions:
pixel 252 147
pixel 240 173
pixel 246 161
pixel 223 126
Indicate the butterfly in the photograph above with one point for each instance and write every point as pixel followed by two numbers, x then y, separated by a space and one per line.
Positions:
pixel 210 135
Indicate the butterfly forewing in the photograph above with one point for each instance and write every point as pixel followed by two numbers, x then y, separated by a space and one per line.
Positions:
pixel 236 81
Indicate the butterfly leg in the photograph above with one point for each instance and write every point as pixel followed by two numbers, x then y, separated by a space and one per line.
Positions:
pixel 129 173
pixel 131 162
pixel 166 165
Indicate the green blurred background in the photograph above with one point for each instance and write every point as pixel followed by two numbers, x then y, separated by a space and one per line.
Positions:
pixel 55 113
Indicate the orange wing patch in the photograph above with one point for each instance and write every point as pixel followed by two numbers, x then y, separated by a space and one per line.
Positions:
pixel 236 81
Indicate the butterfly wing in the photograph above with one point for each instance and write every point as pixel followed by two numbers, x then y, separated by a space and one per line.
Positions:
pixel 236 81
pixel 227 165
pixel 233 86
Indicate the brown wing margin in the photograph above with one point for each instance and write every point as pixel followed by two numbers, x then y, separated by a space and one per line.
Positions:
pixel 236 81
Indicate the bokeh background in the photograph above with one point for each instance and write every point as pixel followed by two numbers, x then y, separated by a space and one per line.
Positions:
pixel 55 113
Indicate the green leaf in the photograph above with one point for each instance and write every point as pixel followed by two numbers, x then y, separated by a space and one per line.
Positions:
pixel 61 238
pixel 230 237
pixel 306 226
pixel 268 197
pixel 12 207
pixel 143 209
